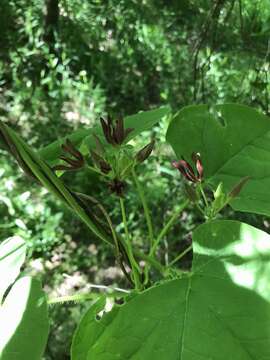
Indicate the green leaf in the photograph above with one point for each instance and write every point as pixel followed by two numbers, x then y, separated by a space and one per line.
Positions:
pixel 80 344
pixel 220 200
pixel 83 138
pixel 12 256
pixel 219 311
pixel 24 321
pixel 145 120
pixel 233 141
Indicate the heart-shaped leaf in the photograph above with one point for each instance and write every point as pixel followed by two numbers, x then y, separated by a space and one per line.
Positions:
pixel 218 311
pixel 234 142
pixel 24 321
pixel 12 256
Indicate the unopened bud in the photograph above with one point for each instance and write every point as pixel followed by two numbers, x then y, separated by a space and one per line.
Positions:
pixel 238 187
pixel 196 158
pixel 145 152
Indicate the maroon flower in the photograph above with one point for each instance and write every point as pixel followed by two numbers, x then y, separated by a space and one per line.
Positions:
pixel 100 162
pixel 117 187
pixel 187 170
pixel 75 162
pixel 115 133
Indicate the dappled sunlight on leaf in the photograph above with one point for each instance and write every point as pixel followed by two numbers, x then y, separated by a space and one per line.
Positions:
pixel 25 319
pixel 12 256
pixel 229 153
pixel 243 250
pixel 212 312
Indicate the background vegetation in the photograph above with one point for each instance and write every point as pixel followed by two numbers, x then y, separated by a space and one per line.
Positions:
pixel 65 63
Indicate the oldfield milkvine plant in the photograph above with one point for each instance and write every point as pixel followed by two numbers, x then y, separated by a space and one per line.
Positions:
pixel 220 308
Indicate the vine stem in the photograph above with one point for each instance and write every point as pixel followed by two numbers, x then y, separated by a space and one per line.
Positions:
pixel 134 266
pixel 145 208
pixel 168 226
pixel 180 256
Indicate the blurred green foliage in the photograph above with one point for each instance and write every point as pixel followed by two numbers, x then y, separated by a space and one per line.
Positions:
pixel 64 63
pixel 29 214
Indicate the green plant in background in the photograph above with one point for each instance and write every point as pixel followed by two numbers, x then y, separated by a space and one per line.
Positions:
pixel 222 152
pixel 103 55
pixel 24 215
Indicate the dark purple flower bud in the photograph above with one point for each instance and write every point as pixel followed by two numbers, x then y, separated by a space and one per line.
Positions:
pixel 75 162
pixel 145 152
pixel 238 187
pixel 117 187
pixel 197 161
pixel 107 129
pixel 187 171
pixel 70 161
pixel 70 148
pixel 119 132
pixel 115 134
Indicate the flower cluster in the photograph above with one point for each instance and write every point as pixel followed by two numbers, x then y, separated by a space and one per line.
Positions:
pixel 187 170
pixel 115 133
pixel 115 161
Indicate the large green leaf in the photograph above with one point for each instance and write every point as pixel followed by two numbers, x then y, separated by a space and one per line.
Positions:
pixel 219 311
pixel 24 321
pixel 12 256
pixel 145 120
pixel 139 122
pixel 234 142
